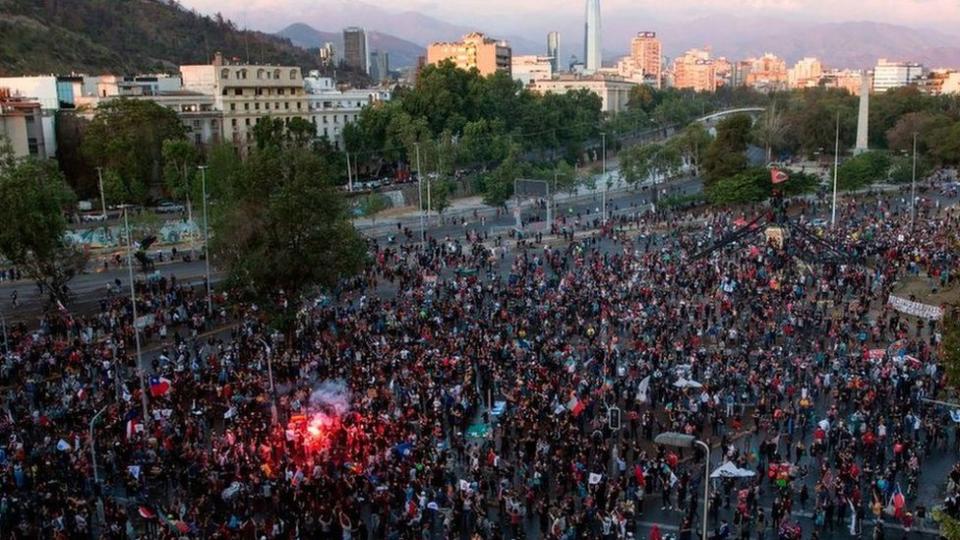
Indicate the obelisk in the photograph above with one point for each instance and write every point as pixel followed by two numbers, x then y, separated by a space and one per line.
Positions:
pixel 863 118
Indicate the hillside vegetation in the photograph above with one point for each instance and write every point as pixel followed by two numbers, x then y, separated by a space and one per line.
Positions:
pixel 126 36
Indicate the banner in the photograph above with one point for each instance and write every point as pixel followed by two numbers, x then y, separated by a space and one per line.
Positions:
pixel 924 311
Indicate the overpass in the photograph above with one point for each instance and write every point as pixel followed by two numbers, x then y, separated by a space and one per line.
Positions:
pixel 713 118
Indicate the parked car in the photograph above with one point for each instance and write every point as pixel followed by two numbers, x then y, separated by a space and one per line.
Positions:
pixel 168 207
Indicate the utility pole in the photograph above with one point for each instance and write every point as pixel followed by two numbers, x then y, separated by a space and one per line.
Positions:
pixel 206 236
pixel 133 304
pixel 423 232
pixel 103 198
pixel 603 213
pixel 836 166
pixel 93 457
pixel 3 323
pixel 913 184
pixel 349 175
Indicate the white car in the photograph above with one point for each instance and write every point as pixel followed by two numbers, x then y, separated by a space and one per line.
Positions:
pixel 168 207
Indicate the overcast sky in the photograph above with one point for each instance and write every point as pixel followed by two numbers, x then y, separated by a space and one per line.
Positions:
pixel 512 14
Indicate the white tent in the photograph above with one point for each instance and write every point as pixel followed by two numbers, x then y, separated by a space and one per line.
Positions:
pixel 729 470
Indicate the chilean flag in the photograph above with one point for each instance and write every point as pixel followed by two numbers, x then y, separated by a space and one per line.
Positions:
pixel 159 386
pixel 778 177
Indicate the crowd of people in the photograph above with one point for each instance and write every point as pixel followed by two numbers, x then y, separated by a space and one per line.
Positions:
pixel 483 387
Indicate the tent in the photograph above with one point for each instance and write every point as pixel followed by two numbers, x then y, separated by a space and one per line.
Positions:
pixel 729 470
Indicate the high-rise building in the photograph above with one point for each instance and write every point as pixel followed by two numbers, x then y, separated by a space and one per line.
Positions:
pixel 591 38
pixel 553 50
pixel 767 73
pixel 328 55
pixel 531 68
pixel 646 53
pixel 355 49
pixel 887 75
pixel 695 70
pixel 805 73
pixel 379 66
pixel 475 50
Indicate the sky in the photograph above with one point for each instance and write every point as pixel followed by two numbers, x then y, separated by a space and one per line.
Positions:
pixel 513 15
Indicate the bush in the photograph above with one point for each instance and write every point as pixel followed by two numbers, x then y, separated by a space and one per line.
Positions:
pixel 863 170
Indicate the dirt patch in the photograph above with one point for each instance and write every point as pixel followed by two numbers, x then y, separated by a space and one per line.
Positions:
pixel 927 290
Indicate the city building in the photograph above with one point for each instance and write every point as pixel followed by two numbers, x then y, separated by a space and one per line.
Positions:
pixel 379 66
pixel 474 51
pixel 723 69
pixel 53 93
pixel 940 81
pixel 331 109
pixel 695 70
pixel 328 55
pixel 768 73
pixel 846 79
pixel 21 125
pixel 592 55
pixel 355 51
pixel 531 68
pixel 245 93
pixel 553 51
pixel 108 86
pixel 614 92
pixel 887 74
pixel 806 73
pixel 646 52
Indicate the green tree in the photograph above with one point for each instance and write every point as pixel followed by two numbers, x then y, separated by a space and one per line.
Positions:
pixel 180 159
pixel 285 228
pixel 770 130
pixel 373 204
pixel 649 162
pixel 944 144
pixel 692 144
pixel 950 347
pixel 749 186
pixel 441 192
pixel 498 183
pixel 863 170
pixel 126 137
pixel 726 156
pixel 33 199
pixel 901 168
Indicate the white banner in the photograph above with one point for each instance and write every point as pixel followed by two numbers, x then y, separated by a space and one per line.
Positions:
pixel 924 311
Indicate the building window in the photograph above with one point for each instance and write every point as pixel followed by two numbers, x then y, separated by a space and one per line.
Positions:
pixel 276 74
pixel 298 105
pixel 293 74
pixel 256 106
pixel 233 122
pixel 197 139
pixel 238 91
pixel 325 132
pixel 280 91
pixel 246 106
pixel 196 124
pixel 260 73
pixel 246 121
pixel 242 74
pixel 32 146
pixel 225 73
pixel 266 106
pixel 233 106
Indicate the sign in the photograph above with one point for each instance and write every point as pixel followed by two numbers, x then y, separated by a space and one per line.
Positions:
pixel 917 309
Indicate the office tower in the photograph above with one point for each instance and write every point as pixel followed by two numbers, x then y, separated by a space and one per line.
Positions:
pixel 379 66
pixel 591 38
pixel 553 50
pixel 355 49
pixel 646 54
pixel 328 55
pixel 887 74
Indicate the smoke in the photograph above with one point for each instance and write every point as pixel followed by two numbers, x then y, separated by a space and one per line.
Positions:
pixel 331 397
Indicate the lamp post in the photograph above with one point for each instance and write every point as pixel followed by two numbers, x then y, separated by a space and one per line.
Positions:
pixel 423 232
pixel 133 305
pixel 836 166
pixel 913 184
pixel 681 440
pixel 603 149
pixel 93 457
pixel 3 325
pixel 206 236
pixel 273 394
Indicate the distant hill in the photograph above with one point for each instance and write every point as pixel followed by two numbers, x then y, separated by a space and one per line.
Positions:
pixel 126 36
pixel 402 52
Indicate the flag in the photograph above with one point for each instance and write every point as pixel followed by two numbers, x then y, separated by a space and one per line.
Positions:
pixel 778 177
pixel 595 478
pixel 133 427
pixel 643 391
pixel 159 386
pixel 63 446
pixel 146 513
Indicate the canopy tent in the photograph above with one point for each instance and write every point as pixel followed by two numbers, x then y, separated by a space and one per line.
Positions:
pixel 729 470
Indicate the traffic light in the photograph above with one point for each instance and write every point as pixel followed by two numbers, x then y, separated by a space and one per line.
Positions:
pixel 613 418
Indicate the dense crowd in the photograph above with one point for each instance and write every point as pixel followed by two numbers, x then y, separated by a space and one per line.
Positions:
pixel 464 388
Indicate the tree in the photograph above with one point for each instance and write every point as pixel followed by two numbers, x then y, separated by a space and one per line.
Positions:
pixel 751 185
pixel 126 137
pixel 373 204
pixel 180 159
pixel 692 144
pixel 33 198
pixel 498 183
pixel 901 168
pixel 649 162
pixel 769 131
pixel 440 193
pixel 944 144
pixel 862 170
pixel 285 228
pixel 726 157
pixel 950 346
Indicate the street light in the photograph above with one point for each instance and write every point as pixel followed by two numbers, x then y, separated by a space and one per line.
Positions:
pixel 603 144
pixel 681 440
pixel 273 394
pixel 133 306
pixel 3 324
pixel 913 184
pixel 206 236
pixel 93 456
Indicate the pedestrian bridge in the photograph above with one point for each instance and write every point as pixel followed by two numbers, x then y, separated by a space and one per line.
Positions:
pixel 713 118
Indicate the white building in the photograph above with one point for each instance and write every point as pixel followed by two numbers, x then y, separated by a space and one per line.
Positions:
pixel 53 93
pixel 137 85
pixel 331 109
pixel 614 92
pixel 592 58
pixel 531 68
pixel 887 75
